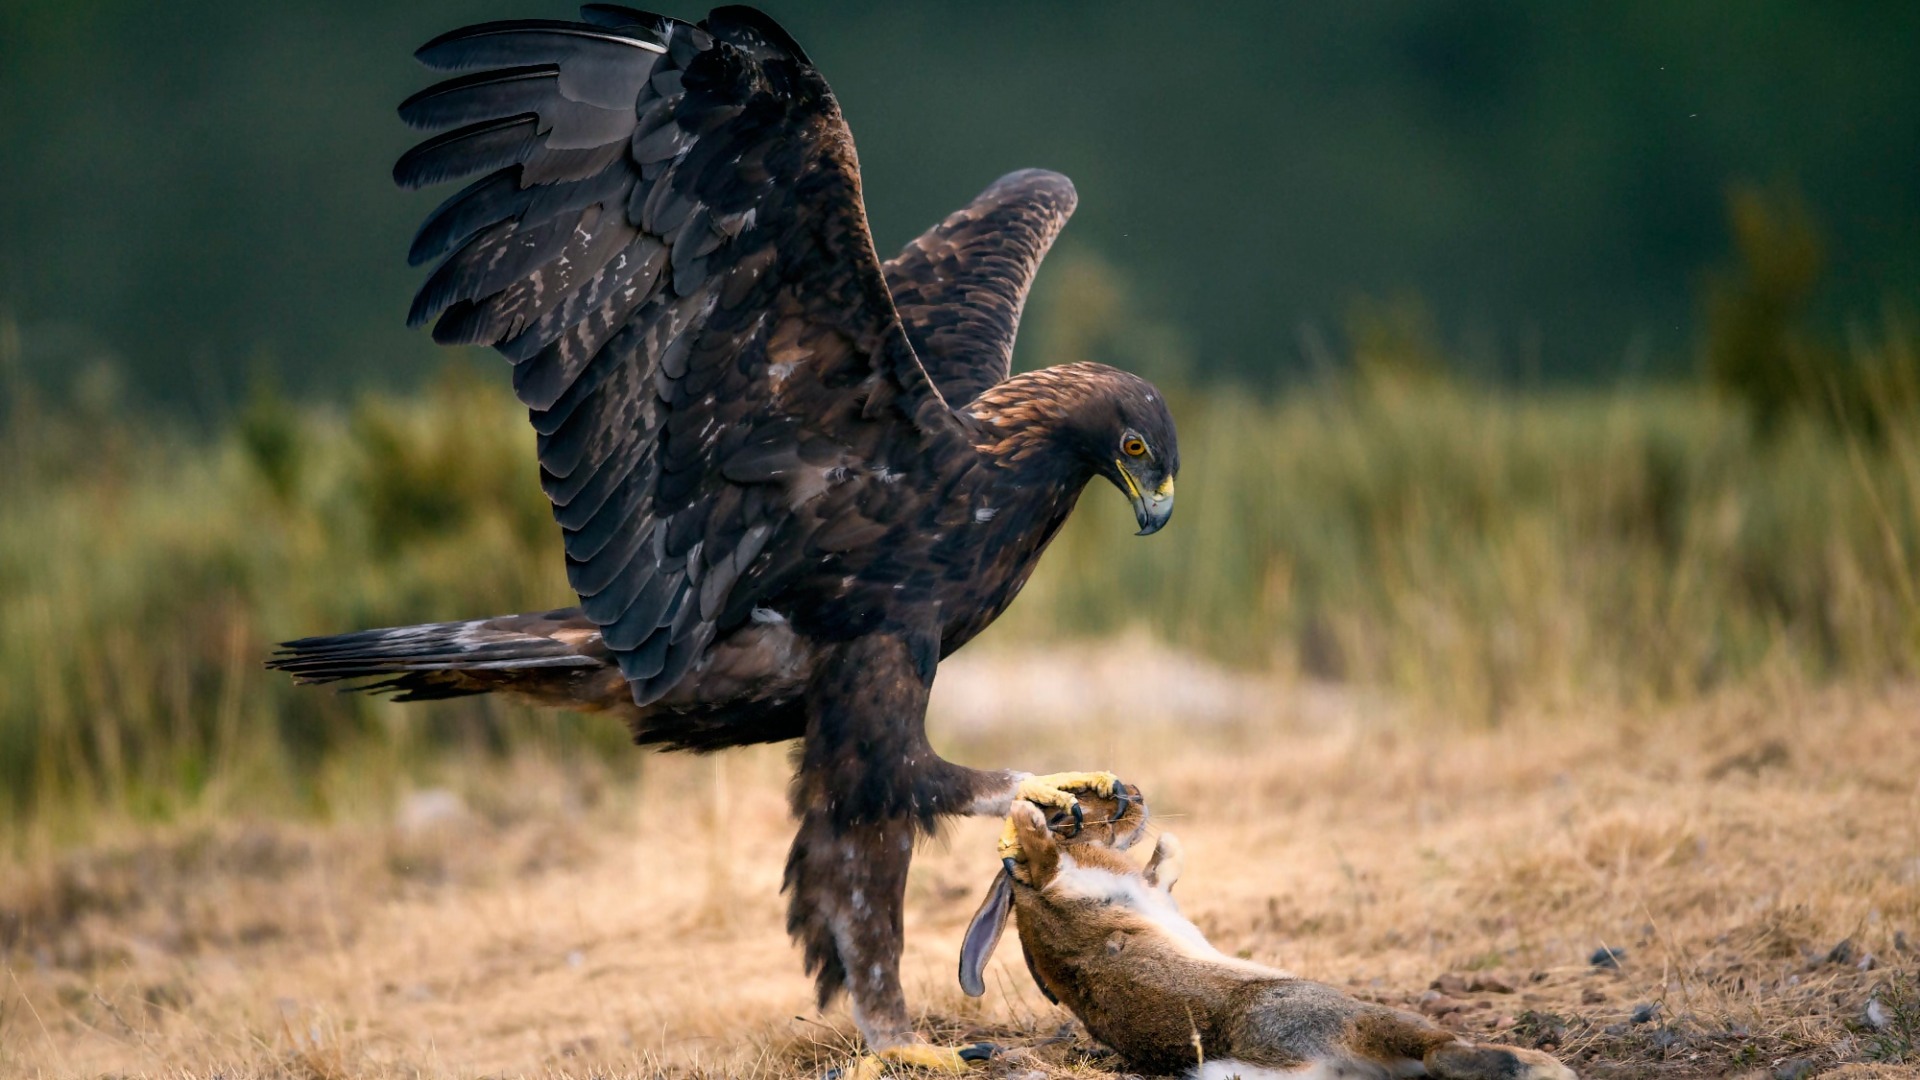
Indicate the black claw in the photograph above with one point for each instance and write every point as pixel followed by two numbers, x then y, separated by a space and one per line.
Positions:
pixel 1007 865
pixel 1121 801
pixel 1079 819
pixel 980 1051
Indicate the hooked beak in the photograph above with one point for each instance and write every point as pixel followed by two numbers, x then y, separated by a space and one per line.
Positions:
pixel 1150 509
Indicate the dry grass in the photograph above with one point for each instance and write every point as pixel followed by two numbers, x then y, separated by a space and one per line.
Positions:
pixel 562 920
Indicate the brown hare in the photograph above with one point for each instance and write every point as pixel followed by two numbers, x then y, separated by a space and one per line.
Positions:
pixel 1104 938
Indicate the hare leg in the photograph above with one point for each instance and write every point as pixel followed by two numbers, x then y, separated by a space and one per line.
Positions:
pixel 1491 1061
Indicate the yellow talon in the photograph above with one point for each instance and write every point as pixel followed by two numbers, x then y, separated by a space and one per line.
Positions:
pixel 1053 790
pixel 1056 789
pixel 916 1055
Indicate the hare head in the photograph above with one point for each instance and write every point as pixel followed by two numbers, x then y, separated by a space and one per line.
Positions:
pixel 1109 827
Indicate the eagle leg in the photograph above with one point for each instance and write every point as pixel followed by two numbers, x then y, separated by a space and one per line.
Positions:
pixel 866 787
pixel 846 885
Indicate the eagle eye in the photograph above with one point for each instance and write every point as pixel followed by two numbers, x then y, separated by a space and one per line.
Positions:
pixel 1133 446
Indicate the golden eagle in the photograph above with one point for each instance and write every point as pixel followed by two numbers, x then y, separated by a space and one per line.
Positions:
pixel 790 477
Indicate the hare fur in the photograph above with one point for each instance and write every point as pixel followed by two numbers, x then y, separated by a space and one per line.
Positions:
pixel 1104 937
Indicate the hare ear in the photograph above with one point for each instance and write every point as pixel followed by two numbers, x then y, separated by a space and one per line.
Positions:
pixel 1169 858
pixel 983 933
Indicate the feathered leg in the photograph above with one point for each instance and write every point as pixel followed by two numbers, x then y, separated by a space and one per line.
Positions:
pixel 867 784
pixel 846 884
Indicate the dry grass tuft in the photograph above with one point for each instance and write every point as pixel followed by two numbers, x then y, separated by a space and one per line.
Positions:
pixel 1753 861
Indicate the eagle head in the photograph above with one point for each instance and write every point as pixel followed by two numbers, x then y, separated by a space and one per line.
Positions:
pixel 1084 419
pixel 1125 433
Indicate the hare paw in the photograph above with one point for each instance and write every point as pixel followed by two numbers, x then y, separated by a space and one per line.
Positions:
pixel 915 1055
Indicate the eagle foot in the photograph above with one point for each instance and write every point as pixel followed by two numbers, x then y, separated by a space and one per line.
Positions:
pixel 1054 791
pixel 917 1055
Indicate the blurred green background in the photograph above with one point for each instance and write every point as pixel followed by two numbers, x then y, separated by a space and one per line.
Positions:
pixel 1582 345
pixel 199 190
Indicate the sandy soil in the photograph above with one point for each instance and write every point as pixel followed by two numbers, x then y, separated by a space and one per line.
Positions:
pixel 1754 862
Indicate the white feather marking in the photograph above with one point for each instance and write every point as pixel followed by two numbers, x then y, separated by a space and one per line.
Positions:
pixel 985 514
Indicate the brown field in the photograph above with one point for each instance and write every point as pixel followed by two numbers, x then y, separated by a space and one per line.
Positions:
pixel 1755 855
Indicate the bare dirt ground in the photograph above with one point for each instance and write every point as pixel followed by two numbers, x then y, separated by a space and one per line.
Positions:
pixel 1753 864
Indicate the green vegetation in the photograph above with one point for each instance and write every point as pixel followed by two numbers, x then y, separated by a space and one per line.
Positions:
pixel 1475 549
pixel 145 573
pixel 1466 547
pixel 1471 548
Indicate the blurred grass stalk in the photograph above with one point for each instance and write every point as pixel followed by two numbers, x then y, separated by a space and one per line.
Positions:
pixel 1473 550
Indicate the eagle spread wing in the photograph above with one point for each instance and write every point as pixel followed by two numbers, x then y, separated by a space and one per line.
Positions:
pixel 960 286
pixel 668 242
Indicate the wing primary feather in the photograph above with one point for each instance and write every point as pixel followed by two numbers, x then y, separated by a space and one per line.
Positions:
pixel 487 200
pixel 500 196
pixel 484 95
pixel 487 264
pixel 618 17
pixel 518 40
pixel 482 147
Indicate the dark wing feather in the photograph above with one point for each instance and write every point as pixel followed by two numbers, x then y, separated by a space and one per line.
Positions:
pixel 960 286
pixel 668 243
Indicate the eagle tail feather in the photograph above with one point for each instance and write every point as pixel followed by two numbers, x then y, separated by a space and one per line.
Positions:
pixel 552 657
